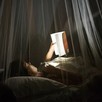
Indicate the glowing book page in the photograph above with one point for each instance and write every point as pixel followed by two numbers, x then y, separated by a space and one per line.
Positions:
pixel 57 38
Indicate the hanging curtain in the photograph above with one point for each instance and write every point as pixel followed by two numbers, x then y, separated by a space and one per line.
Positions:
pixel 89 37
pixel 13 32
pixel 26 25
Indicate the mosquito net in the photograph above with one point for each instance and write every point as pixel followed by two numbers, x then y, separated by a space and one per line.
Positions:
pixel 26 25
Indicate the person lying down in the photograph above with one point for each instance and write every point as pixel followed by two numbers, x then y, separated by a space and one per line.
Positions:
pixel 22 68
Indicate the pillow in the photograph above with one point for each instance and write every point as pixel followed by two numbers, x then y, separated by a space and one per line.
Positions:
pixel 29 86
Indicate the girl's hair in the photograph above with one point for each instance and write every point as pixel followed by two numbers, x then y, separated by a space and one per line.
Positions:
pixel 17 68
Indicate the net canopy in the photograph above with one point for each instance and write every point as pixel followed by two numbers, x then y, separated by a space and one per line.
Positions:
pixel 26 25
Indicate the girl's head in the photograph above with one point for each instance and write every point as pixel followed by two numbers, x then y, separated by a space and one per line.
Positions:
pixel 16 68
pixel 22 68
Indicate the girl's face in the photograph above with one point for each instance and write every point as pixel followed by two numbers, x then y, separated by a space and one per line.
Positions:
pixel 32 70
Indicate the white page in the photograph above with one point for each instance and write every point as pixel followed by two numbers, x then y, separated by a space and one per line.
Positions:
pixel 59 46
pixel 53 37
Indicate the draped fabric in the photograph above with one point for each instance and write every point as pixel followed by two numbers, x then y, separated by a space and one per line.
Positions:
pixel 26 25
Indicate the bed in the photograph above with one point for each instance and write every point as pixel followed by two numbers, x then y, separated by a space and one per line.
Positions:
pixel 45 89
pixel 68 70
pixel 39 89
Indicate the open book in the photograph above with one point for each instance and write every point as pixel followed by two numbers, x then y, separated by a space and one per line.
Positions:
pixel 61 44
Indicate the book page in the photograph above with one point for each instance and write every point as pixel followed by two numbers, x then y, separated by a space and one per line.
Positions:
pixel 57 38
